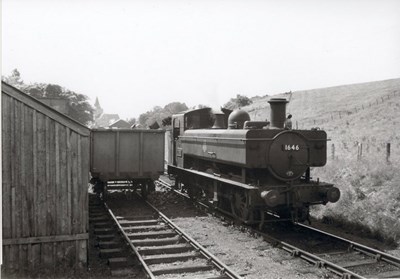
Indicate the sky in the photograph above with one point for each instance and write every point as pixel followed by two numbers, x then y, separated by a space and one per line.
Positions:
pixel 134 55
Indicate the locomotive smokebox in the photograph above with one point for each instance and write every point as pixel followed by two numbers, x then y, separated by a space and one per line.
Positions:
pixel 278 112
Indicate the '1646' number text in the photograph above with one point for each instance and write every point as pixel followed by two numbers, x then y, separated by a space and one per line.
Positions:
pixel 291 147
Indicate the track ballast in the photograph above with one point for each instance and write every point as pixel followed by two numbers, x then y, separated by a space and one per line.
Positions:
pixel 163 250
pixel 345 258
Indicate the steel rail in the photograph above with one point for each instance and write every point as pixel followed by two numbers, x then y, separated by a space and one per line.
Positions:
pixel 318 261
pixel 142 262
pixel 221 267
pixel 165 184
pixel 224 269
pixel 379 255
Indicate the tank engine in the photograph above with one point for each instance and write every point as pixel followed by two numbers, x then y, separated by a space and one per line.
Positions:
pixel 252 170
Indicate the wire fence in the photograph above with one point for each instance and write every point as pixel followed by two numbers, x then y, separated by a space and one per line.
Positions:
pixel 342 114
pixel 358 150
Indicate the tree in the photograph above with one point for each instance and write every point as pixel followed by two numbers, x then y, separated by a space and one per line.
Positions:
pixel 14 79
pixel 160 115
pixel 175 107
pixel 131 121
pixel 167 121
pixel 238 102
pixel 78 106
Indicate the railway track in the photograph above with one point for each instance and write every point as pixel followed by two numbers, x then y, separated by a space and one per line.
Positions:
pixel 111 249
pixel 162 249
pixel 343 257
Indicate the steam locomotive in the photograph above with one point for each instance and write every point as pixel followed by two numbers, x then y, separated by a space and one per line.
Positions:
pixel 255 171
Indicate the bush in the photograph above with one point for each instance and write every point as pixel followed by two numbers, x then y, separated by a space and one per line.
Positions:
pixel 370 195
pixel 238 102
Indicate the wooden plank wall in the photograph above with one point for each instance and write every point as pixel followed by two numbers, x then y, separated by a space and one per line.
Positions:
pixel 45 198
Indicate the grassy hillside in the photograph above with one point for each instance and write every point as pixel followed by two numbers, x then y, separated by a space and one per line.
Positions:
pixel 360 120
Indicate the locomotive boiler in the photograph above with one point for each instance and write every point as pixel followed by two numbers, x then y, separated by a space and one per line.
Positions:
pixel 252 170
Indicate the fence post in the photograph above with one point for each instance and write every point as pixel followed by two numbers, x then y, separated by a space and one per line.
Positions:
pixel 387 152
pixel 359 151
pixel 297 126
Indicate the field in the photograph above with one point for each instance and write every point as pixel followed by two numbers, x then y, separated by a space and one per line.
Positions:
pixel 360 119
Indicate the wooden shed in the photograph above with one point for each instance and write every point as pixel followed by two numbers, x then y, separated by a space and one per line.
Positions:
pixel 45 175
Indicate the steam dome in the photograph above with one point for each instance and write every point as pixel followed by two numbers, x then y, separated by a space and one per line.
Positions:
pixel 237 118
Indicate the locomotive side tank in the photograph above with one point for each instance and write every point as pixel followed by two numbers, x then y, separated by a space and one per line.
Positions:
pixel 250 168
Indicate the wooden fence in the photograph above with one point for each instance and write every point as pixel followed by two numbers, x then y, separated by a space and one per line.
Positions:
pixel 44 186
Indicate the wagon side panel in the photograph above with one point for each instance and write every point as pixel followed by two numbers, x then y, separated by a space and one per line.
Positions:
pixel 129 155
pixel 153 154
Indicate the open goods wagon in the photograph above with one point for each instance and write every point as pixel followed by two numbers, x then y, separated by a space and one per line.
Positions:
pixel 132 157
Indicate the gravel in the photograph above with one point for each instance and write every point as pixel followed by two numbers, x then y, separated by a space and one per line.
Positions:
pixel 248 256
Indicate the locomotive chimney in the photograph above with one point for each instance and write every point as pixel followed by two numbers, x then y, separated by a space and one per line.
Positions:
pixel 278 112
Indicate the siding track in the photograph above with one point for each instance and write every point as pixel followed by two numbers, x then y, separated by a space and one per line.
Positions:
pixel 343 257
pixel 163 250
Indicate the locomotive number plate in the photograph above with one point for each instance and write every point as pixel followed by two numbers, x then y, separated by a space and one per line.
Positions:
pixel 290 147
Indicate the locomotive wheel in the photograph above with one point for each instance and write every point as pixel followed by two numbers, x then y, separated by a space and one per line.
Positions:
pixel 239 205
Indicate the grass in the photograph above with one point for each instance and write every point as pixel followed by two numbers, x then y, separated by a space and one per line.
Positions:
pixel 370 196
pixel 365 114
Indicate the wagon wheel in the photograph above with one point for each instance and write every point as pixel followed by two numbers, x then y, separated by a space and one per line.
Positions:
pixel 145 190
pixel 178 185
pixel 104 191
pixel 194 192
pixel 151 187
pixel 239 205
